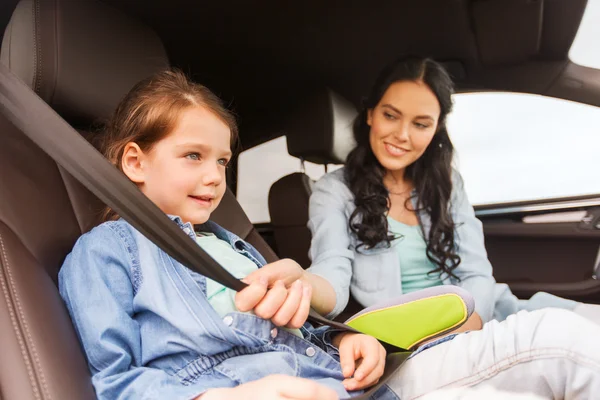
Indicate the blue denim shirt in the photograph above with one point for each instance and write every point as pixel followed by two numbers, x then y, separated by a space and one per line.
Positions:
pixel 149 332
pixel 373 275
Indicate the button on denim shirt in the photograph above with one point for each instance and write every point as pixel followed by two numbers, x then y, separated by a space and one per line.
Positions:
pixel 149 332
pixel 374 274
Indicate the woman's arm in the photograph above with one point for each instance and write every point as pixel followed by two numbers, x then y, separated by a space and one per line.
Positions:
pixel 330 250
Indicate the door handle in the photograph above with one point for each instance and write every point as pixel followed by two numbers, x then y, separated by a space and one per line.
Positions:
pixel 591 219
pixel 596 266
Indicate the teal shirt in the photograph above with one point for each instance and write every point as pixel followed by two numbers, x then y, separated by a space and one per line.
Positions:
pixel 221 298
pixel 412 253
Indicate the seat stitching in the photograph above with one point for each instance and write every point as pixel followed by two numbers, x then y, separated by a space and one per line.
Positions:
pixel 25 326
pixel 15 322
pixel 37 49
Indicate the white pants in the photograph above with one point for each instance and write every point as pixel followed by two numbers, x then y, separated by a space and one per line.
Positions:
pixel 589 311
pixel 552 353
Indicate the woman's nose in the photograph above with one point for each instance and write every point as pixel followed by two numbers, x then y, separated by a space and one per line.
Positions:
pixel 402 132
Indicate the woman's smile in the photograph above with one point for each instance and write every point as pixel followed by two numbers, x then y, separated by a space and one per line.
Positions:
pixel 395 151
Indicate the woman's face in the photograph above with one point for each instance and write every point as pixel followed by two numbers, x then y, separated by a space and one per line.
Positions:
pixel 403 124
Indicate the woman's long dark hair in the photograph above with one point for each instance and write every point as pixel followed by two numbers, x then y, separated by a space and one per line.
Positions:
pixel 431 174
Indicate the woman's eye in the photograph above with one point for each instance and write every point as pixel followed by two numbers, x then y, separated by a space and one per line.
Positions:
pixel 389 116
pixel 193 156
pixel 421 126
pixel 224 162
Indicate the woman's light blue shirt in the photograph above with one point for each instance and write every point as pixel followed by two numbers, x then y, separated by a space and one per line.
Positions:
pixel 374 274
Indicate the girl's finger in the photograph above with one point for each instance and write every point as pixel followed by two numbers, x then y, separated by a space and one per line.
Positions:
pixel 249 297
pixel 347 359
pixel 289 307
pixel 272 301
pixel 303 389
pixel 370 359
pixel 372 378
pixel 301 315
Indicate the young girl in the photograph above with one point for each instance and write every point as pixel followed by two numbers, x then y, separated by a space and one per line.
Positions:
pixel 153 329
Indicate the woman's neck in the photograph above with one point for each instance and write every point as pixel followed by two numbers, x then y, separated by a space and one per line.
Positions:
pixel 396 182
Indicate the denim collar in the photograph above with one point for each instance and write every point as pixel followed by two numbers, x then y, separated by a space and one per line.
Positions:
pixel 208 226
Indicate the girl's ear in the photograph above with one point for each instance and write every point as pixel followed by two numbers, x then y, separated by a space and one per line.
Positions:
pixel 132 163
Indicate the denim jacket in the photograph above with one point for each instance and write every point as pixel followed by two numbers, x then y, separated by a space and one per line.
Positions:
pixel 149 332
pixel 374 274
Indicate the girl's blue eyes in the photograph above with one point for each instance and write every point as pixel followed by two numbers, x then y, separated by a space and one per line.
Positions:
pixel 193 156
pixel 196 157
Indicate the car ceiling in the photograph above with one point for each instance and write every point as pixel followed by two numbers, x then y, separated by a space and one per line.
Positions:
pixel 263 56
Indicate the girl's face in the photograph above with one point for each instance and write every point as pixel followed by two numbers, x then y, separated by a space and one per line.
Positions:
pixel 184 173
pixel 403 124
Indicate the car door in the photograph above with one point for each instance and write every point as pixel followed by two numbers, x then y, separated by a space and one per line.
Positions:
pixel 546 246
pixel 531 170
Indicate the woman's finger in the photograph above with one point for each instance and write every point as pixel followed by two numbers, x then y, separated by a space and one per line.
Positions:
pixel 272 301
pixel 301 315
pixel 289 307
pixel 249 297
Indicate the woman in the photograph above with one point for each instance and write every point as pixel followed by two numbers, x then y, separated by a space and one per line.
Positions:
pixel 396 218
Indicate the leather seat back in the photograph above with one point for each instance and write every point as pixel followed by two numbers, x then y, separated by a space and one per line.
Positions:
pixel 43 210
pixel 320 131
pixel 288 207
pixel 41 357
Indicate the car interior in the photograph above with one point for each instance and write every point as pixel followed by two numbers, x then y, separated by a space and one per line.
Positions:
pixel 297 70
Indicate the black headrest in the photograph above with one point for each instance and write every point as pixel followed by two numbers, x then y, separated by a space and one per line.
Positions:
pixel 80 56
pixel 320 128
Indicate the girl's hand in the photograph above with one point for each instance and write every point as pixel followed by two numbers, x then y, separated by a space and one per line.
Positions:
pixel 274 387
pixel 362 358
pixel 275 292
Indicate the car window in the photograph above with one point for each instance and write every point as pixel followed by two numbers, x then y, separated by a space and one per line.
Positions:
pixel 509 147
pixel 585 50
pixel 515 147
pixel 261 166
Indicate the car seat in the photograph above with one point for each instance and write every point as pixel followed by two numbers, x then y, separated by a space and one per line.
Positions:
pixel 80 57
pixel 318 130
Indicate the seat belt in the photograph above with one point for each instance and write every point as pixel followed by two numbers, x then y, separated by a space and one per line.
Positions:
pixel 41 124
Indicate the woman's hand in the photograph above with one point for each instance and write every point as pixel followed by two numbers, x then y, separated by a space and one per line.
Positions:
pixel 275 292
pixel 362 358
pixel 274 387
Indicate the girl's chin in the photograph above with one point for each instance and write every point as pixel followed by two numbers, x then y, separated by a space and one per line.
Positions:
pixel 197 218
